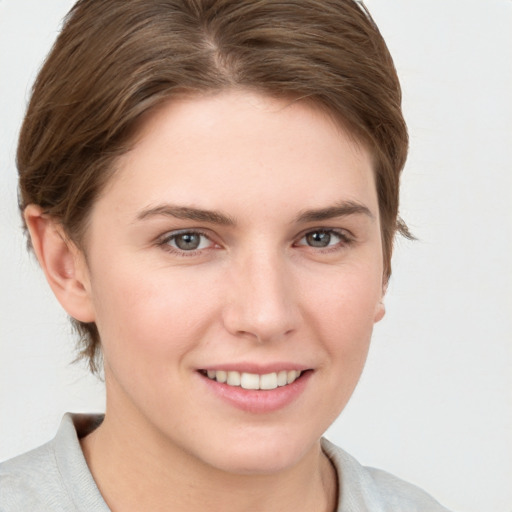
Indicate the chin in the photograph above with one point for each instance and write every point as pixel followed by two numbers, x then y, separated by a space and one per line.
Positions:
pixel 253 452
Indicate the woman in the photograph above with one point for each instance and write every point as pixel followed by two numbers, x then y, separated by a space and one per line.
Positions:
pixel 211 188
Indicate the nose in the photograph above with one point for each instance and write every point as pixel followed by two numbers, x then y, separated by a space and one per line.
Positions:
pixel 261 299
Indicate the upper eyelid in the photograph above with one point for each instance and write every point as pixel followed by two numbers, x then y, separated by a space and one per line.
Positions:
pixel 169 235
pixel 164 240
pixel 345 239
pixel 343 232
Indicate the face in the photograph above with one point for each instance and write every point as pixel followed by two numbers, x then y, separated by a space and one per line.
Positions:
pixel 234 270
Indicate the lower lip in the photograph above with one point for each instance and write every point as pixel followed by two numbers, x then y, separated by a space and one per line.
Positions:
pixel 259 401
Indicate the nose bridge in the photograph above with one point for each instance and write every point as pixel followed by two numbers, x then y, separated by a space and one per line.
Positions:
pixel 262 302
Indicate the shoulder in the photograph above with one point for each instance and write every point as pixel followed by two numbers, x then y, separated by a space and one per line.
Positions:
pixel 364 489
pixel 53 477
pixel 30 481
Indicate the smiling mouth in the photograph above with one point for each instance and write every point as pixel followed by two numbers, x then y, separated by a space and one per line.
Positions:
pixel 267 381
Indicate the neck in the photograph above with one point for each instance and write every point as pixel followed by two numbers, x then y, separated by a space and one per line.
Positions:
pixel 138 470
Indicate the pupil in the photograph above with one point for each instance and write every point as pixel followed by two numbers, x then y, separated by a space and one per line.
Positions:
pixel 188 241
pixel 318 239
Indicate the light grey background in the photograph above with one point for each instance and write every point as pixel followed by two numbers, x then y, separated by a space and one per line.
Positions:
pixel 434 405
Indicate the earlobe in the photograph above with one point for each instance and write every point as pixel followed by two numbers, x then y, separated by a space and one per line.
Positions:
pixel 380 311
pixel 62 262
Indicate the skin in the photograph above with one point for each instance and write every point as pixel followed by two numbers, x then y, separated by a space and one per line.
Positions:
pixel 255 292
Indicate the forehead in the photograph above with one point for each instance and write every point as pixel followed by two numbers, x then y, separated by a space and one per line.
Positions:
pixel 242 149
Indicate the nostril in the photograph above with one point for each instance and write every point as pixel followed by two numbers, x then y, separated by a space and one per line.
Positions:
pixel 261 305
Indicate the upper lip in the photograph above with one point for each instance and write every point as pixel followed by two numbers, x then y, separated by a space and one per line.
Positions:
pixel 260 369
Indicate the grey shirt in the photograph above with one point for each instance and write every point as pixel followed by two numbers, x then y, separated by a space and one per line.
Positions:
pixel 55 477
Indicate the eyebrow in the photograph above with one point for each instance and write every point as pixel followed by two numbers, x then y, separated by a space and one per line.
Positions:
pixel 187 213
pixel 341 209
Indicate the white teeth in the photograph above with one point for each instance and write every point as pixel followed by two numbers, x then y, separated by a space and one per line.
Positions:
pixel 292 375
pixel 234 378
pixel 220 376
pixel 253 380
pixel 250 381
pixel 282 378
pixel 268 381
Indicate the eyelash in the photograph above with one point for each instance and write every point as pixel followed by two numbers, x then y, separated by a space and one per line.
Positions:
pixel 345 240
pixel 164 242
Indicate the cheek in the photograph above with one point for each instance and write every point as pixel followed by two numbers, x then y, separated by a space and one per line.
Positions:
pixel 151 315
pixel 341 319
pixel 344 307
pixel 350 294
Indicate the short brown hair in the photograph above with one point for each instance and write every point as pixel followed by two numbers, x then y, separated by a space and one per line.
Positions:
pixel 116 59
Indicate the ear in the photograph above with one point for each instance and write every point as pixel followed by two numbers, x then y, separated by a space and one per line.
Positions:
pixel 380 310
pixel 62 262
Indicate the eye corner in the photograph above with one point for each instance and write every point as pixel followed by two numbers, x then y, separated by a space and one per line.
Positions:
pixel 321 239
pixel 187 242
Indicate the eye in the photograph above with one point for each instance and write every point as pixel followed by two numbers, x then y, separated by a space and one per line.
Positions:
pixel 324 238
pixel 187 241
